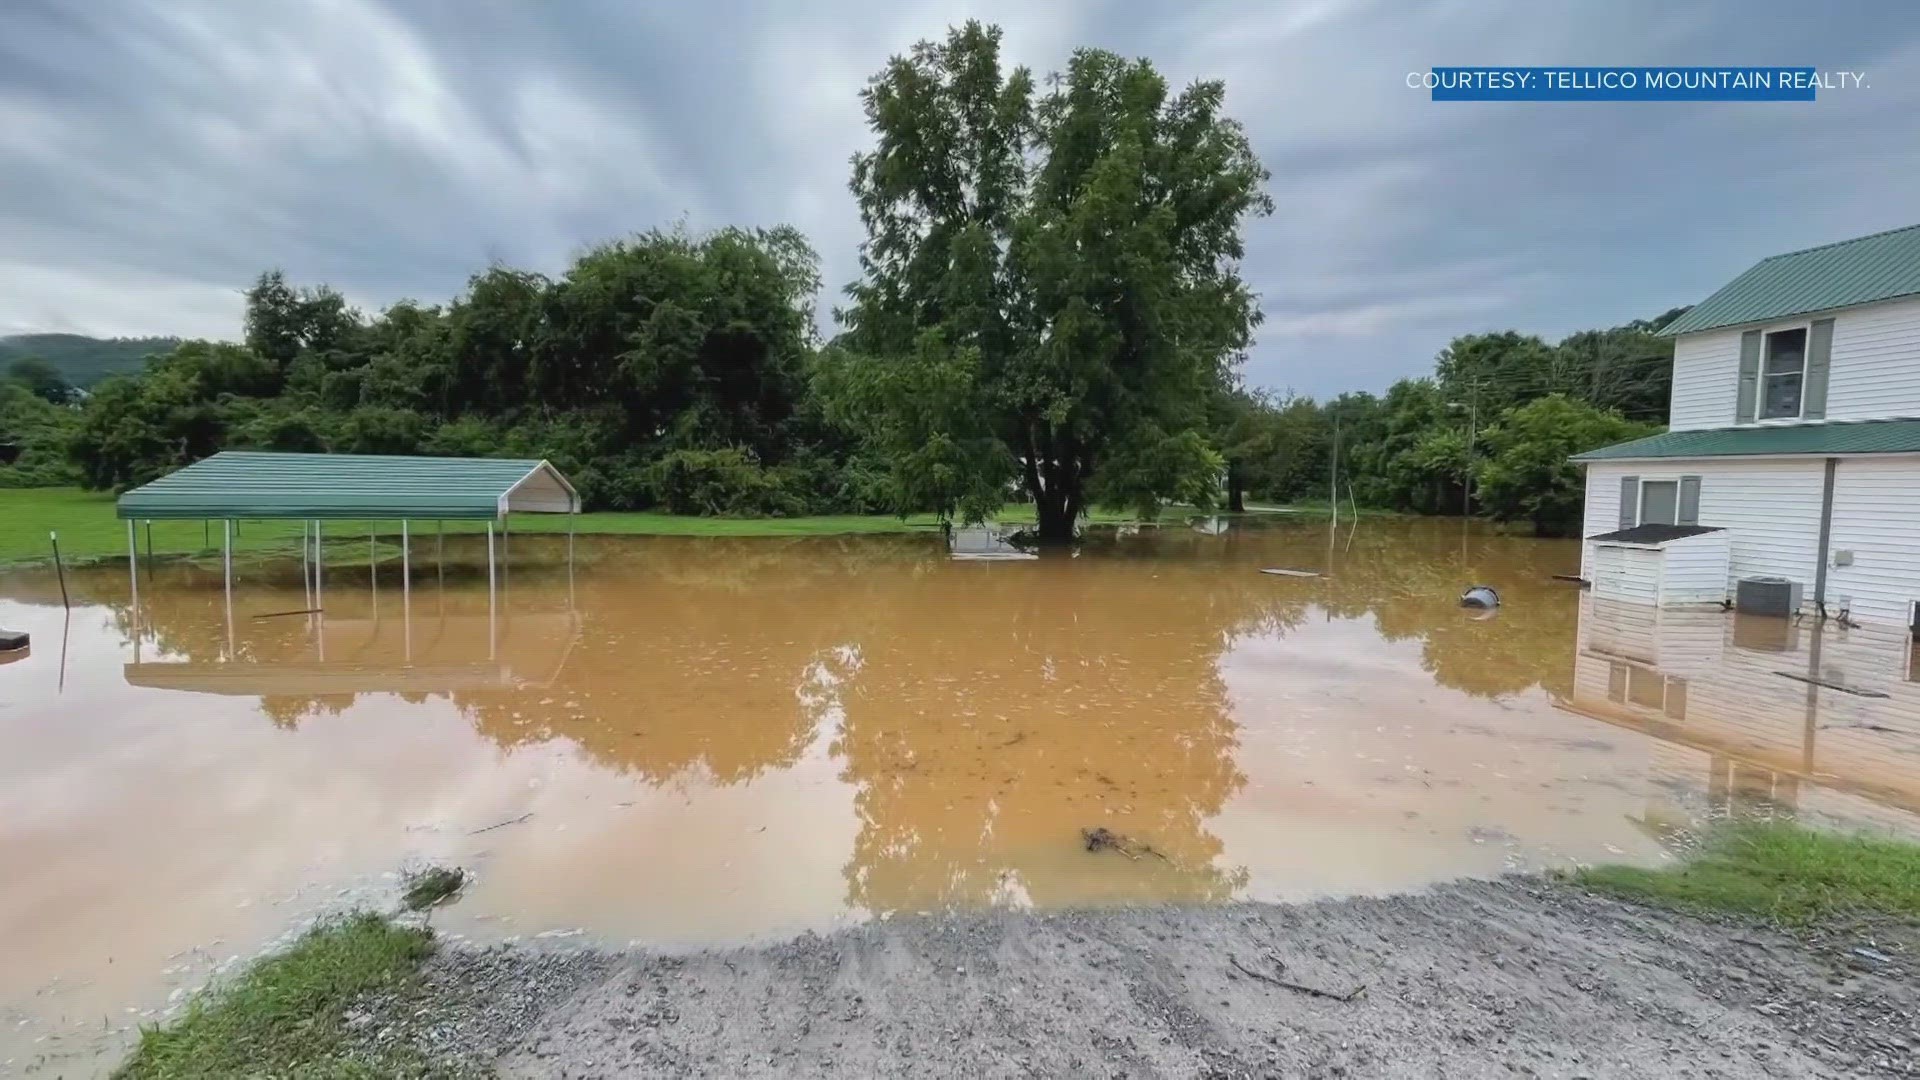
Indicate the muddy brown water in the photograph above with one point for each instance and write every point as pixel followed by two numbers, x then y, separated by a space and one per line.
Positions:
pixel 694 741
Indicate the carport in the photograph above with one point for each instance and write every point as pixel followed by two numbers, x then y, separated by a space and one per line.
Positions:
pixel 238 485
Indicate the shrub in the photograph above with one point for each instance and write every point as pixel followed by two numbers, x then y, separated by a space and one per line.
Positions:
pixel 726 482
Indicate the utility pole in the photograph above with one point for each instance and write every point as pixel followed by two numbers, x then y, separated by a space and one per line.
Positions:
pixel 1473 430
pixel 1333 471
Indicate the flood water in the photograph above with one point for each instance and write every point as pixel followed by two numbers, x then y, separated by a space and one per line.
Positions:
pixel 691 741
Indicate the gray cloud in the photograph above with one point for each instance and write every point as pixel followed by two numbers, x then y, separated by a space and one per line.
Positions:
pixel 154 157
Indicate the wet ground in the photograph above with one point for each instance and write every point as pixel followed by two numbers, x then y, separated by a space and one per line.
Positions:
pixel 688 742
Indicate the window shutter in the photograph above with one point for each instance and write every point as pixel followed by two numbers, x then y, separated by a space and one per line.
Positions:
pixel 1689 500
pixel 1629 501
pixel 1749 377
pixel 1813 395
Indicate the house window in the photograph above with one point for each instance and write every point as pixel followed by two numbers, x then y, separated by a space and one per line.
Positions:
pixel 1783 368
pixel 1659 502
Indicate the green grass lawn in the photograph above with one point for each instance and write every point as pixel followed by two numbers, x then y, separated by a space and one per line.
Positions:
pixel 1781 872
pixel 287 1014
pixel 88 530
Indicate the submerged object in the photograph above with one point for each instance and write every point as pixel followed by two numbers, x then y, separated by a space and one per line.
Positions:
pixel 1480 596
pixel 1280 571
pixel 13 639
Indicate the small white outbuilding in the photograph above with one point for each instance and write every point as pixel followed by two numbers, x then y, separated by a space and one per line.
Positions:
pixel 1661 565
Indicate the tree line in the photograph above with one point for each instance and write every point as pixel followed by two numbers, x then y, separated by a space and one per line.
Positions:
pixel 1049 308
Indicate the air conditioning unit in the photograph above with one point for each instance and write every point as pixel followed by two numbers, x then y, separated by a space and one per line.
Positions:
pixel 1767 596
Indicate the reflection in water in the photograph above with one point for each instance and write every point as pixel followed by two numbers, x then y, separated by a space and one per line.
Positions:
pixel 713 740
pixel 1758 716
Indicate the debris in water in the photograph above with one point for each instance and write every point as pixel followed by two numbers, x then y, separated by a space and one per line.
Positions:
pixel 1281 571
pixel 502 824
pixel 1480 596
pixel 1101 837
pixel 13 639
pixel 433 886
pixel 1874 955
pixel 1298 987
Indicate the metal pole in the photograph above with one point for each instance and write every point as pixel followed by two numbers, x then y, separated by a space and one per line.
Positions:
pixel 319 564
pixel 133 577
pixel 373 571
pixel 227 561
pixel 406 588
pixel 490 636
pixel 149 545
pixel 306 576
pixel 60 568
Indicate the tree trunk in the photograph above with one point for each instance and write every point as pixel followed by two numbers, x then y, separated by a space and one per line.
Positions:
pixel 1236 499
pixel 1055 500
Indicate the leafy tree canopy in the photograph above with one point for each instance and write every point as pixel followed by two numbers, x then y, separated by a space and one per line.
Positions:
pixel 1050 295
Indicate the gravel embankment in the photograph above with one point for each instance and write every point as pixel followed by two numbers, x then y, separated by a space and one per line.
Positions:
pixel 1516 977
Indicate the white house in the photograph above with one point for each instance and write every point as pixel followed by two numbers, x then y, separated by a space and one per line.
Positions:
pixel 1795 428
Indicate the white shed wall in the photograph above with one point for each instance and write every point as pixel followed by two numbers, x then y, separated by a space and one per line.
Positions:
pixel 1696 570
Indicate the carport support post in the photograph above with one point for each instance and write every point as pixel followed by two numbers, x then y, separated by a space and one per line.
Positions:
pixel 133 576
pixel 226 559
pixel 306 553
pixel 319 564
pixel 406 587
pixel 490 641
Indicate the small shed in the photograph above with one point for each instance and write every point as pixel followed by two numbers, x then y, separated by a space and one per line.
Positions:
pixel 1661 565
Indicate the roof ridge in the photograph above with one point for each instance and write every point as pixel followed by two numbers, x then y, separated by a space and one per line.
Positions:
pixel 1840 243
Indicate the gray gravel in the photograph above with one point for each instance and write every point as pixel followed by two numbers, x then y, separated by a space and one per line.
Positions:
pixel 1511 978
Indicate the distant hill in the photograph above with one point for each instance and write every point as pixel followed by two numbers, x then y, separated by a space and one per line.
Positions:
pixel 83 360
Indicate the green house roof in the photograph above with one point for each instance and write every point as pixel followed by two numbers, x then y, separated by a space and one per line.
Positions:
pixel 1860 271
pixel 1864 437
pixel 246 484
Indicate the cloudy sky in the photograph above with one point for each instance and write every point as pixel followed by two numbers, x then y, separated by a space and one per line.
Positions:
pixel 154 157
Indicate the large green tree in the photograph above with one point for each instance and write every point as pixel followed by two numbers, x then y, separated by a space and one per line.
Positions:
pixel 1050 293
pixel 1527 476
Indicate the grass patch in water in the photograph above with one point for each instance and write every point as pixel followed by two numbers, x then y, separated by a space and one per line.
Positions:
pixel 432 886
pixel 287 1014
pixel 1781 872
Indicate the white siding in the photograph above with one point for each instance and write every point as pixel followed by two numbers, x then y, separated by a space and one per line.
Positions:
pixel 1876 362
pixel 1706 379
pixel 541 493
pixel 1625 573
pixel 1876 516
pixel 1696 570
pixel 1875 370
pixel 1771 508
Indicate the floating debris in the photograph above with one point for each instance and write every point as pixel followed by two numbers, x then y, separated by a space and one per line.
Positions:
pixel 1101 838
pixel 13 639
pixel 1281 571
pixel 1480 596
pixel 502 824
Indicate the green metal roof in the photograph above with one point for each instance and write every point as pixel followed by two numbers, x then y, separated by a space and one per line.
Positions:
pixel 247 484
pixel 1863 437
pixel 1859 271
